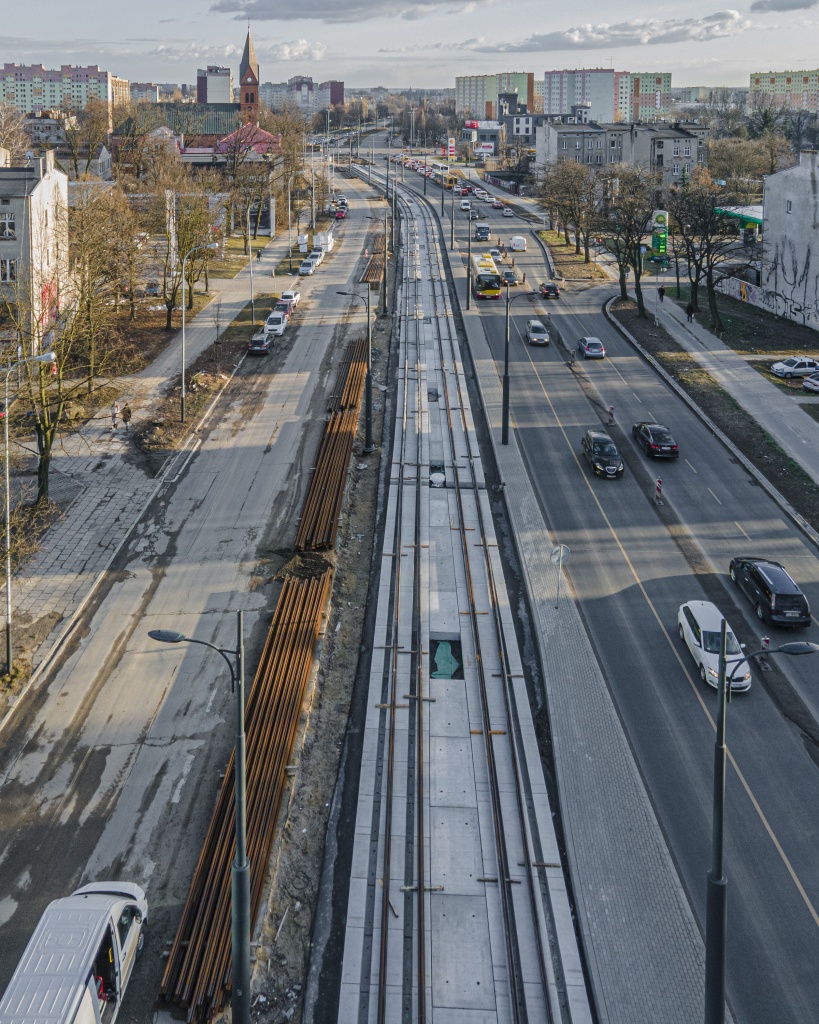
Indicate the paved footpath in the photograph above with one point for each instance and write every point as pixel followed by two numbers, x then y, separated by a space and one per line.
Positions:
pixel 112 490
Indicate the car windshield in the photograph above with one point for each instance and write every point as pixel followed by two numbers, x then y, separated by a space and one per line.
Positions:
pixel 790 362
pixel 605 448
pixel 711 643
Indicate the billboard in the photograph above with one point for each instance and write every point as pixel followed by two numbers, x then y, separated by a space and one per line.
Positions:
pixel 470 124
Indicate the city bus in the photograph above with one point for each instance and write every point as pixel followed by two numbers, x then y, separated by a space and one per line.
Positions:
pixel 442 174
pixel 486 281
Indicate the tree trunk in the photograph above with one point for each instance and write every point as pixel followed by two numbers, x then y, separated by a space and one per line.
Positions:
pixel 623 283
pixel 587 255
pixel 43 465
pixel 576 241
pixel 566 232
pixel 638 293
pixel 168 316
pixel 718 325
pixel 695 293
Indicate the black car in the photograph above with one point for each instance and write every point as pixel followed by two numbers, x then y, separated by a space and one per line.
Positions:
pixel 549 290
pixel 772 592
pixel 260 344
pixel 602 454
pixel 656 440
pixel 509 277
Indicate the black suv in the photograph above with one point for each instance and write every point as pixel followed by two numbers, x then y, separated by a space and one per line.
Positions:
pixel 602 454
pixel 769 587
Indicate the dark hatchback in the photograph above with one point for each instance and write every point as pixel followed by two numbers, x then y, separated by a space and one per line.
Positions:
pixel 260 344
pixel 602 454
pixel 549 290
pixel 771 590
pixel 656 440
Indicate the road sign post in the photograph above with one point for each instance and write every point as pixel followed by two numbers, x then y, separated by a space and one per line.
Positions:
pixel 559 557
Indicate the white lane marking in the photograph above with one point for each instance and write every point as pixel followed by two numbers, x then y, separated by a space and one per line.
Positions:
pixel 716 499
pixel 637 397
pixel 744 534
pixel 691 467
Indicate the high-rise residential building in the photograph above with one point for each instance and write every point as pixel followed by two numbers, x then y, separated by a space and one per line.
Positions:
pixel 649 96
pixel 592 87
pixel 796 89
pixel 478 94
pixel 274 94
pixel 301 93
pixel 214 84
pixel 539 96
pixel 32 87
pixel 144 92
pixel 330 94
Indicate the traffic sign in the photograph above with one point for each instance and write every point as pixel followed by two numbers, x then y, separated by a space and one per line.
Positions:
pixel 560 554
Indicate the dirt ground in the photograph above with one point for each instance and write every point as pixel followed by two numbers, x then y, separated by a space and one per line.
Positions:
pixel 568 263
pixel 754 443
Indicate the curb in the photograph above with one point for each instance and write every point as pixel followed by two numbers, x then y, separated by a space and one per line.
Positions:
pixel 162 480
pixel 798 520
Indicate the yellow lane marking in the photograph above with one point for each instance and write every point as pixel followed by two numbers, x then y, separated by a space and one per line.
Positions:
pixel 674 649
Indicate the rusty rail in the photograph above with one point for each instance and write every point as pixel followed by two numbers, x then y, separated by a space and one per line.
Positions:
pixel 198 973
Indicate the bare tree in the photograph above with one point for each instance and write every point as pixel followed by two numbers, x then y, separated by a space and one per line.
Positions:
pixel 12 136
pixel 630 196
pixel 572 190
pixel 85 131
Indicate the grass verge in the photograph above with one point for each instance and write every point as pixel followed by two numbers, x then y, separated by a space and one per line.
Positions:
pixel 569 264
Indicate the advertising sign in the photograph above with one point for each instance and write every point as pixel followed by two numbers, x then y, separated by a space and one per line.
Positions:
pixel 451 148
pixel 659 234
pixel 470 124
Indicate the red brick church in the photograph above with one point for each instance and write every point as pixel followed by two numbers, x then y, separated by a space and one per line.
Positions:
pixel 249 83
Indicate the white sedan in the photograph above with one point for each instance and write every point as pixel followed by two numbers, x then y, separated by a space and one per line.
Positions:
pixel 700 624
pixel 796 366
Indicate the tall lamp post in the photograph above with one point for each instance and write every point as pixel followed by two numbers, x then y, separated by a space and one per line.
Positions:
pixel 469 264
pixel 45 357
pixel 240 869
pixel 505 420
pixel 369 447
pixel 716 907
pixel 452 218
pixel 250 251
pixel 196 248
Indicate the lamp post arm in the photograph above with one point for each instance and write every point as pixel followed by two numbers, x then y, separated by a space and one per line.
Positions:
pixel 225 654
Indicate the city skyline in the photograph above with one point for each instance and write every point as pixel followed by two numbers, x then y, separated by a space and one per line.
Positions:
pixel 415 43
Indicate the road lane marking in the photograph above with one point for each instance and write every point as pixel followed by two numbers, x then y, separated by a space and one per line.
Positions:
pixel 694 685
pixel 744 534
pixel 691 467
pixel 637 397
pixel 716 499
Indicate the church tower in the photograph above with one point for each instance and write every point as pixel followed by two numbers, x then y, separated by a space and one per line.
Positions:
pixel 249 83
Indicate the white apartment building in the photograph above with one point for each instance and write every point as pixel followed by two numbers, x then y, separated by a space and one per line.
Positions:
pixel 592 86
pixel 32 87
pixel 33 242
pixel 214 84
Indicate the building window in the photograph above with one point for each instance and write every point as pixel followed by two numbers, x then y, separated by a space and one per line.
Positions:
pixel 613 143
pixel 675 169
pixel 8 270
pixel 577 144
pixel 7 225
pixel 612 159
pixel 676 150
pixel 687 168
pixel 788 206
pixel 687 151
pixel 564 144
pixel 599 143
pixel 599 158
pixel 660 145
pixel 588 159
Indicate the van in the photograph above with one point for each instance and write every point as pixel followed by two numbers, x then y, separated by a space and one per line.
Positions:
pixel 79 960
pixel 517 243
pixel 482 231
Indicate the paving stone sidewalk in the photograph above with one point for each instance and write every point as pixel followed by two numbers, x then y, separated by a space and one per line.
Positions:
pixel 112 491
pixel 776 412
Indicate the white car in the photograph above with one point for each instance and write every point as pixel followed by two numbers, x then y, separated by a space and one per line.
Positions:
pixel 811 383
pixel 796 366
pixel 487 198
pixel 317 255
pixel 275 324
pixel 292 296
pixel 507 212
pixel 465 204
pixel 536 333
pixel 307 267
pixel 700 624
pixel 479 193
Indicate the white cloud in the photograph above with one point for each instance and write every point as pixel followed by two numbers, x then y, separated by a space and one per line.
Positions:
pixel 764 6
pixel 341 10
pixel 638 32
pixel 297 49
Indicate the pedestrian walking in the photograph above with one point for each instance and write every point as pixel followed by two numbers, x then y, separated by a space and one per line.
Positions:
pixel 114 414
pixel 258 254
pixel 611 415
pixel 126 416
pixel 661 293
pixel 689 312
pixel 524 277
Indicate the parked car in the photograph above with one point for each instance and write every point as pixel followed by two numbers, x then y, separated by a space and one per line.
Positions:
pixel 656 440
pixel 292 296
pixel 548 290
pixel 306 268
pixel 275 324
pixel 317 255
pixel 700 627
pixel 591 348
pixel 771 590
pixel 795 366
pixel 811 383
pixel 536 333
pixel 283 307
pixel 150 289
pixel 601 454
pixel 509 277
pixel 260 344
pixel 507 212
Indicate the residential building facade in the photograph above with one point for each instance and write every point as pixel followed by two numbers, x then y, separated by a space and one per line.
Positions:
pixel 214 84
pixel 671 150
pixel 330 94
pixel 33 242
pixel 144 92
pixel 649 96
pixel 273 95
pixel 32 87
pixel 478 95
pixel 798 90
pixel 301 94
pixel 592 86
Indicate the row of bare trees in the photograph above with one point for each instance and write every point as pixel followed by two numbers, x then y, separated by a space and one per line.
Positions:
pixel 617 206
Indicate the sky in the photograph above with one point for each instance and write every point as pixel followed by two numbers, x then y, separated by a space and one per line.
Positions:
pixel 414 43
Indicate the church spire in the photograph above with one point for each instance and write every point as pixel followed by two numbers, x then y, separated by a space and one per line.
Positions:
pixel 249 61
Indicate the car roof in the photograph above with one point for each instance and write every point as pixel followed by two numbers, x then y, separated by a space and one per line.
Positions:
pixel 776 574
pixel 589 338
pixel 598 435
pixel 653 426
pixel 537 325
pixel 707 615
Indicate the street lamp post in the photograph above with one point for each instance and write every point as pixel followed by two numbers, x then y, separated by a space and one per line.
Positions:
pixel 240 869
pixel 250 251
pixel 386 262
pixel 45 357
pixel 369 447
pixel 505 412
pixel 716 907
pixel 469 264
pixel 452 218
pixel 196 248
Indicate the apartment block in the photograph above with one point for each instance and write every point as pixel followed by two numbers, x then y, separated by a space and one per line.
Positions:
pixel 330 94
pixel 649 96
pixel 273 94
pixel 476 95
pixel 214 84
pixel 592 87
pixel 144 92
pixel 301 93
pixel 796 89
pixel 32 87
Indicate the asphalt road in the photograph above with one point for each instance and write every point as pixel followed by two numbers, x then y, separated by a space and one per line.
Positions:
pixel 110 769
pixel 632 565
